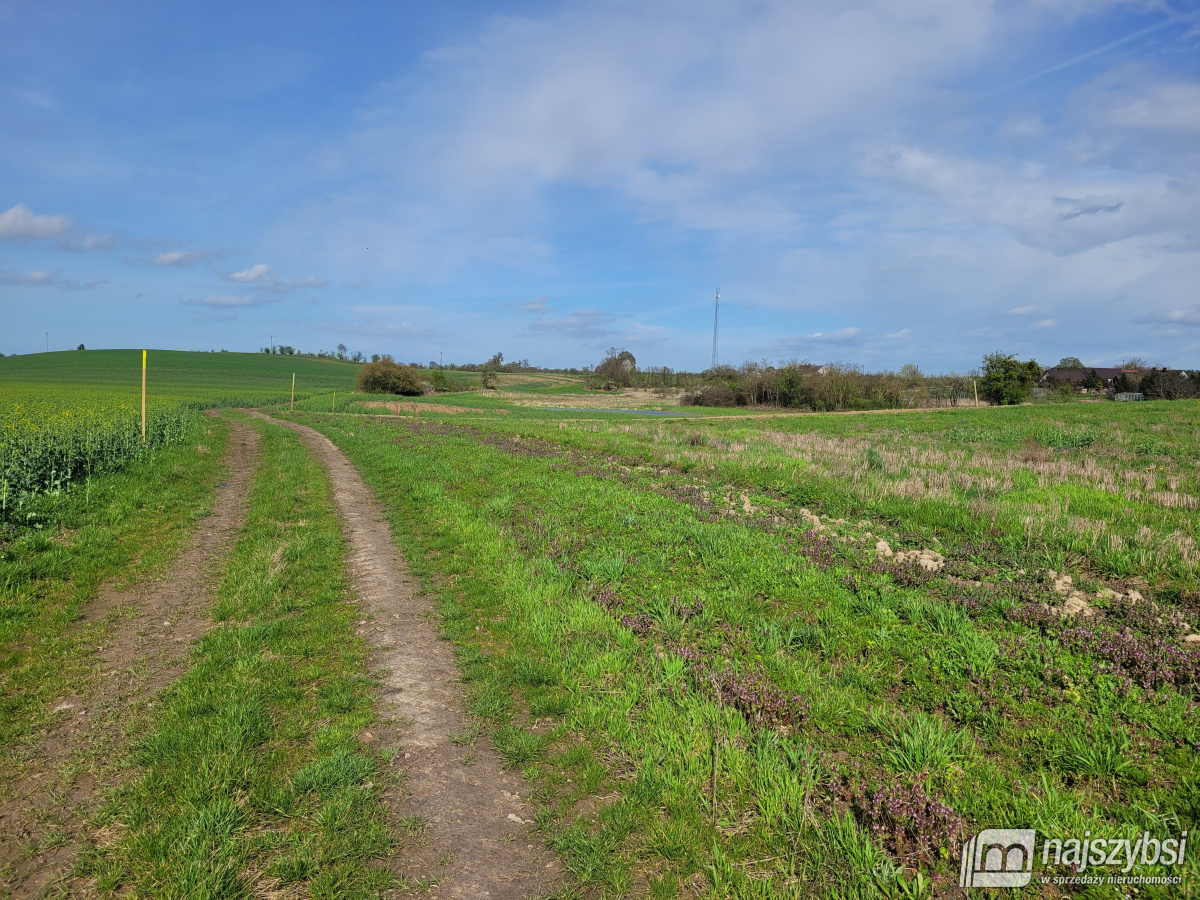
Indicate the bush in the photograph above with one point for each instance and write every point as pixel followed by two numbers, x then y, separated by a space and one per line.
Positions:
pixel 441 383
pixel 388 377
pixel 710 395
pixel 1006 380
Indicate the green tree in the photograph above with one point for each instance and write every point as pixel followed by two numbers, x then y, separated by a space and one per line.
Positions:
pixel 1006 380
pixel 489 375
pixel 1127 383
pixel 619 367
pixel 1092 381
pixel 1070 362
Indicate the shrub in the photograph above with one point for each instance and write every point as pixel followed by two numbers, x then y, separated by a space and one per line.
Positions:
pixel 388 377
pixel 1006 380
pixel 711 395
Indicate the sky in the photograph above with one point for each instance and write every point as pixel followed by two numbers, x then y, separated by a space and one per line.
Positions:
pixel 878 183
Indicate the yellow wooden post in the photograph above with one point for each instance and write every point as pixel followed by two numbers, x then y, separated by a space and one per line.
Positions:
pixel 976 387
pixel 143 396
pixel 293 392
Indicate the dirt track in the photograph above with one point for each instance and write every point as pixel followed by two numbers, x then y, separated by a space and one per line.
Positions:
pixel 476 843
pixel 144 635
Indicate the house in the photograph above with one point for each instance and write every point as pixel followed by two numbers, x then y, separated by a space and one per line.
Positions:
pixel 1076 376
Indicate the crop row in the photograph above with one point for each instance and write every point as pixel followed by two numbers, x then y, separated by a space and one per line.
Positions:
pixel 45 447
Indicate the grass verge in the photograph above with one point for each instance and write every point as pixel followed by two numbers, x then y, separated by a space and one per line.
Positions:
pixel 126 527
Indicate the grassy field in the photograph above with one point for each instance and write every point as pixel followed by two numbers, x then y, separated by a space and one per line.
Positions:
pixel 689 634
pixel 737 656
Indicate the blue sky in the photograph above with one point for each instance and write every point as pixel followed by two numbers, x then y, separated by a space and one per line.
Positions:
pixel 881 182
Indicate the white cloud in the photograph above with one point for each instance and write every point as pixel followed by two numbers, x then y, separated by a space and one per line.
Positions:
pixel 95 242
pixel 1189 317
pixel 597 327
pixel 820 341
pixel 536 305
pixel 1044 323
pixel 1154 106
pixel 702 114
pixel 1022 310
pixel 287 285
pixel 248 276
pixel 378 329
pixel 900 335
pixel 39 278
pixel 229 301
pixel 21 224
pixel 184 258
pixel 258 277
pixel 1060 212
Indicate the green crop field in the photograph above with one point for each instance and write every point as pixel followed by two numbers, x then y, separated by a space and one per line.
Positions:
pixel 65 417
pixel 174 376
pixel 734 653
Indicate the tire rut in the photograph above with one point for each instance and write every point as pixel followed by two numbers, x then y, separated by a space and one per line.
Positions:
pixel 147 632
pixel 476 841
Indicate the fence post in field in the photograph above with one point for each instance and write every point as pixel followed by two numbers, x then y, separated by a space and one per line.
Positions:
pixel 293 392
pixel 143 397
pixel 975 385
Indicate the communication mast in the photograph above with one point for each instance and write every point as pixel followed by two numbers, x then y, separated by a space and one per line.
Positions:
pixel 716 323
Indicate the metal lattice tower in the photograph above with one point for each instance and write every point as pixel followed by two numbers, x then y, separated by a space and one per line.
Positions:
pixel 716 323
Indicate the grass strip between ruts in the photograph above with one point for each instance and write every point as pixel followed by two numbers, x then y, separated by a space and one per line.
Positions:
pixel 252 776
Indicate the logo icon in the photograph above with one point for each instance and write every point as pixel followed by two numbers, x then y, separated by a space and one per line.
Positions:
pixel 998 857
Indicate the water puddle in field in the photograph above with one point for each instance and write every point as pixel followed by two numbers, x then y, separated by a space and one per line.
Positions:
pixel 632 412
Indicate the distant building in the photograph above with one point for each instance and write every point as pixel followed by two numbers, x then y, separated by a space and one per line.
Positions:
pixel 1076 376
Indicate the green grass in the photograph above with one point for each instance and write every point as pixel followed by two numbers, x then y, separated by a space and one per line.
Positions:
pixel 723 685
pixel 251 774
pixel 173 376
pixel 125 527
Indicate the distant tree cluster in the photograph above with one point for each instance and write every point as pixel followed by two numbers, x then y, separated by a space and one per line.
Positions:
pixel 1159 384
pixel 339 353
pixel 835 386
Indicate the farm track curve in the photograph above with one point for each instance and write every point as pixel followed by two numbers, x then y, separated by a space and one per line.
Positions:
pixel 475 843
pixel 151 628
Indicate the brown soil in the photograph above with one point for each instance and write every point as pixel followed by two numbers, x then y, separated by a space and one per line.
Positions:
pixel 397 406
pixel 142 635
pixel 477 842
